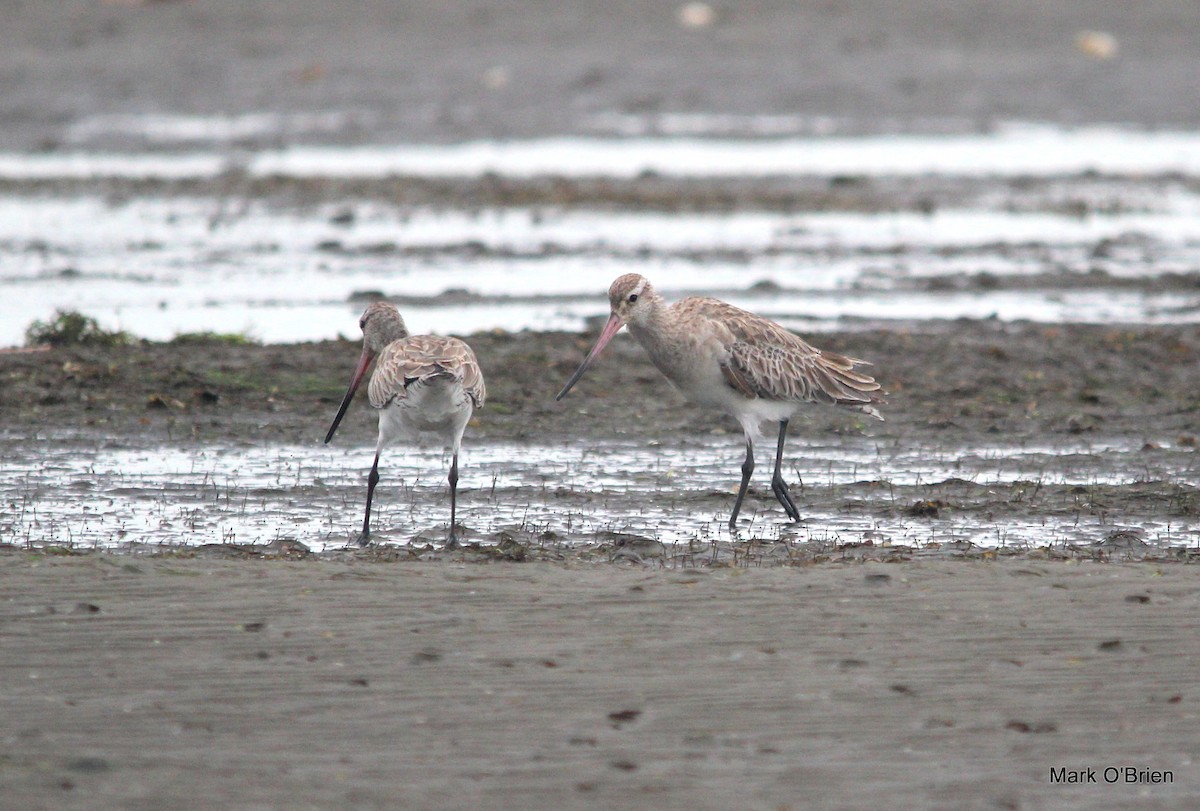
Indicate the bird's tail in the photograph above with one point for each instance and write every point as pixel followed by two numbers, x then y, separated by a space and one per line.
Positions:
pixel 850 388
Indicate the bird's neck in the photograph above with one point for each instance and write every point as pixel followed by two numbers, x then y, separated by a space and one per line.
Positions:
pixel 387 335
pixel 655 326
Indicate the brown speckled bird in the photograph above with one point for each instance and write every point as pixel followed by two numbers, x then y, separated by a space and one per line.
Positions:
pixel 723 357
pixel 422 384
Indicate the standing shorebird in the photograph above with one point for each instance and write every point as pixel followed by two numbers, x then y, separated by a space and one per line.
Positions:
pixel 723 357
pixel 422 384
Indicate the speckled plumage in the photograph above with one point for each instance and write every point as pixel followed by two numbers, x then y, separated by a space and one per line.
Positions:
pixel 724 357
pixel 422 360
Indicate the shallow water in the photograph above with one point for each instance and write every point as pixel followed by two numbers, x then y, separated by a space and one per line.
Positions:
pixel 158 267
pixel 1076 247
pixel 854 491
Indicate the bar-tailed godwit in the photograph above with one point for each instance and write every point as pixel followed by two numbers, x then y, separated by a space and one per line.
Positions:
pixel 723 357
pixel 422 384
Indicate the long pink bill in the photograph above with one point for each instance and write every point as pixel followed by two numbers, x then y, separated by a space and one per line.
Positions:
pixel 610 329
pixel 359 372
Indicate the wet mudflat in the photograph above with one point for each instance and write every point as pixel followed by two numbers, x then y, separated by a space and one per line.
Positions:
pixel 600 639
pixel 1013 436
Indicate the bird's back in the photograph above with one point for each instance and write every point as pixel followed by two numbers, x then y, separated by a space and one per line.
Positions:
pixel 418 361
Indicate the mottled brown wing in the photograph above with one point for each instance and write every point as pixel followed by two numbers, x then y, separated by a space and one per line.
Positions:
pixel 420 358
pixel 803 374
pixel 765 360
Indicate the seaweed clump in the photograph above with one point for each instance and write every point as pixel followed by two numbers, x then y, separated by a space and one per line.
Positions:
pixel 72 328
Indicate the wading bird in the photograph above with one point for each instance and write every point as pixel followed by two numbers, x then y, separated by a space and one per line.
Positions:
pixel 422 384
pixel 725 358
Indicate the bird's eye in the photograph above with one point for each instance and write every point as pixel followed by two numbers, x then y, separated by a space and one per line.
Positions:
pixel 632 298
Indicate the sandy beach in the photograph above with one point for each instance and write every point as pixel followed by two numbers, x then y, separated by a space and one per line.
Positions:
pixel 204 683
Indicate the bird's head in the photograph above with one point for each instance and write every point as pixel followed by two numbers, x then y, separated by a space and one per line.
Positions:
pixel 632 298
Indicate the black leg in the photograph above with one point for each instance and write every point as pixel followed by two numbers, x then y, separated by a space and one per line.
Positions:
pixel 453 541
pixel 778 485
pixel 747 469
pixel 372 480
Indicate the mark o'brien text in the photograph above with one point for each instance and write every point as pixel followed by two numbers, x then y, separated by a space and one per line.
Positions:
pixel 1111 774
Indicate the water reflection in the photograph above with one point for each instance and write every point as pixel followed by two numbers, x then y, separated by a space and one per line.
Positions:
pixel 681 493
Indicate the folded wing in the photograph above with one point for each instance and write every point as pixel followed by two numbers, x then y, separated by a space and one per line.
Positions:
pixel 423 359
pixel 765 360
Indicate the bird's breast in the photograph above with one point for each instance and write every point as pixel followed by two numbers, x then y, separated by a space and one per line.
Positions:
pixel 691 363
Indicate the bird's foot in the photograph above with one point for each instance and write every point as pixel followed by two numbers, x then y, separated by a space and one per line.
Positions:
pixel 780 489
pixel 363 539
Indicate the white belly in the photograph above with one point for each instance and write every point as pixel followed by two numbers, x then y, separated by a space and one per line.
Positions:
pixel 437 411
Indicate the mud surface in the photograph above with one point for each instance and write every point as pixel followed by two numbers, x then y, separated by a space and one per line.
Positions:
pixel 956 382
pixel 1120 405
